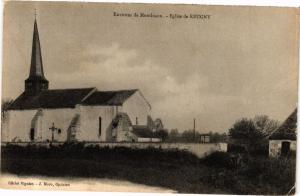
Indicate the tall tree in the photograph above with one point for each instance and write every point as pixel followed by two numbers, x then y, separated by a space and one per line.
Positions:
pixel 162 133
pixel 266 125
pixel 174 133
pixel 245 129
pixel 244 133
pixel 4 106
pixel 252 133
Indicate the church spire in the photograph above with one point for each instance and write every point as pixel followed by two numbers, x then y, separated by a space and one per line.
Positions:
pixel 36 68
pixel 36 80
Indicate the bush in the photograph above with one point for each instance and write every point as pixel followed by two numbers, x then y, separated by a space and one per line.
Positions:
pixel 254 174
pixel 94 152
pixel 274 176
pixel 217 159
pixel 234 148
pixel 223 159
pixel 218 172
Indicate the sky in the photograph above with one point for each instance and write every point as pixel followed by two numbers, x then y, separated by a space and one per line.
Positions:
pixel 240 62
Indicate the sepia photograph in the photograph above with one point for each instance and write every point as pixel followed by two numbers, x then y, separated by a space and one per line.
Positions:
pixel 153 98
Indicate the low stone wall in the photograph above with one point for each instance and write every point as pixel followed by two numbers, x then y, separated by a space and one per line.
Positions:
pixel 199 149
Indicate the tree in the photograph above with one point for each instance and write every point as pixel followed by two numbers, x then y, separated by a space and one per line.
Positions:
pixel 174 133
pixel 162 133
pixel 217 137
pixel 244 133
pixel 252 133
pixel 266 125
pixel 245 129
pixel 4 106
pixel 188 135
pixel 158 124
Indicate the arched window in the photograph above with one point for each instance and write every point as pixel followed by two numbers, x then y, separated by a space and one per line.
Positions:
pixel 100 126
pixel 32 134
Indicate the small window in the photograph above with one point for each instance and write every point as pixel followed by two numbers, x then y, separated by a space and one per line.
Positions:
pixel 59 131
pixel 100 126
pixel 136 120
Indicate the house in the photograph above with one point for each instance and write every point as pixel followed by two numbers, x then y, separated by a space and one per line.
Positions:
pixel 204 138
pixel 283 141
pixel 41 114
pixel 144 134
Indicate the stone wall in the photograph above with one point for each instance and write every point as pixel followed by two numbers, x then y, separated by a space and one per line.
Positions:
pixel 198 149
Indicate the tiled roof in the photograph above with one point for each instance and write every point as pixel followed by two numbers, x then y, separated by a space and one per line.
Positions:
pixel 59 98
pixel 288 128
pixel 109 97
pixel 68 98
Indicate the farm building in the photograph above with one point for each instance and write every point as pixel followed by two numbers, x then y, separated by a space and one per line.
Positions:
pixel 283 141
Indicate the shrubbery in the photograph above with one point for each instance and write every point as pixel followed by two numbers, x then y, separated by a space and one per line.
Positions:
pixel 79 151
pixel 219 159
pixel 253 174
pixel 219 172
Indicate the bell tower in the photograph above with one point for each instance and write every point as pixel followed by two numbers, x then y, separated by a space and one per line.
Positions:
pixel 36 82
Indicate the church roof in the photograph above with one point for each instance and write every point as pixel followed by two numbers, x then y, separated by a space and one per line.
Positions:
pixel 69 98
pixel 288 128
pixel 57 98
pixel 109 97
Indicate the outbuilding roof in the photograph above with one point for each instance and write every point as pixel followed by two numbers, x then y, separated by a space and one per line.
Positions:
pixel 288 128
pixel 143 131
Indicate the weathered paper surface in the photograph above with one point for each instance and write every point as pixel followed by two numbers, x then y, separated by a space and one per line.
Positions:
pixel 213 63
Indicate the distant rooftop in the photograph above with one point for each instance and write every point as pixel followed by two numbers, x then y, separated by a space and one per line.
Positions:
pixel 143 131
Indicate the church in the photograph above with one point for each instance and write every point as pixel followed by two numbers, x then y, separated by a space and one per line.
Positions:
pixel 41 114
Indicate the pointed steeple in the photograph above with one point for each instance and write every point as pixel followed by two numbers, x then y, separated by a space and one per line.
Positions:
pixel 36 68
pixel 36 80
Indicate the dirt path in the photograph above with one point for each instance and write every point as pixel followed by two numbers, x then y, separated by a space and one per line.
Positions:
pixel 75 184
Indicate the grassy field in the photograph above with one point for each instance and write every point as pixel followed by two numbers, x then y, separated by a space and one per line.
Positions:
pixel 180 171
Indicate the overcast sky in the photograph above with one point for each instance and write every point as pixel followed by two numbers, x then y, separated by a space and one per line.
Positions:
pixel 238 63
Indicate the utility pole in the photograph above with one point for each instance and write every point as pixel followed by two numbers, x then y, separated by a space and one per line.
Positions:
pixel 194 130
